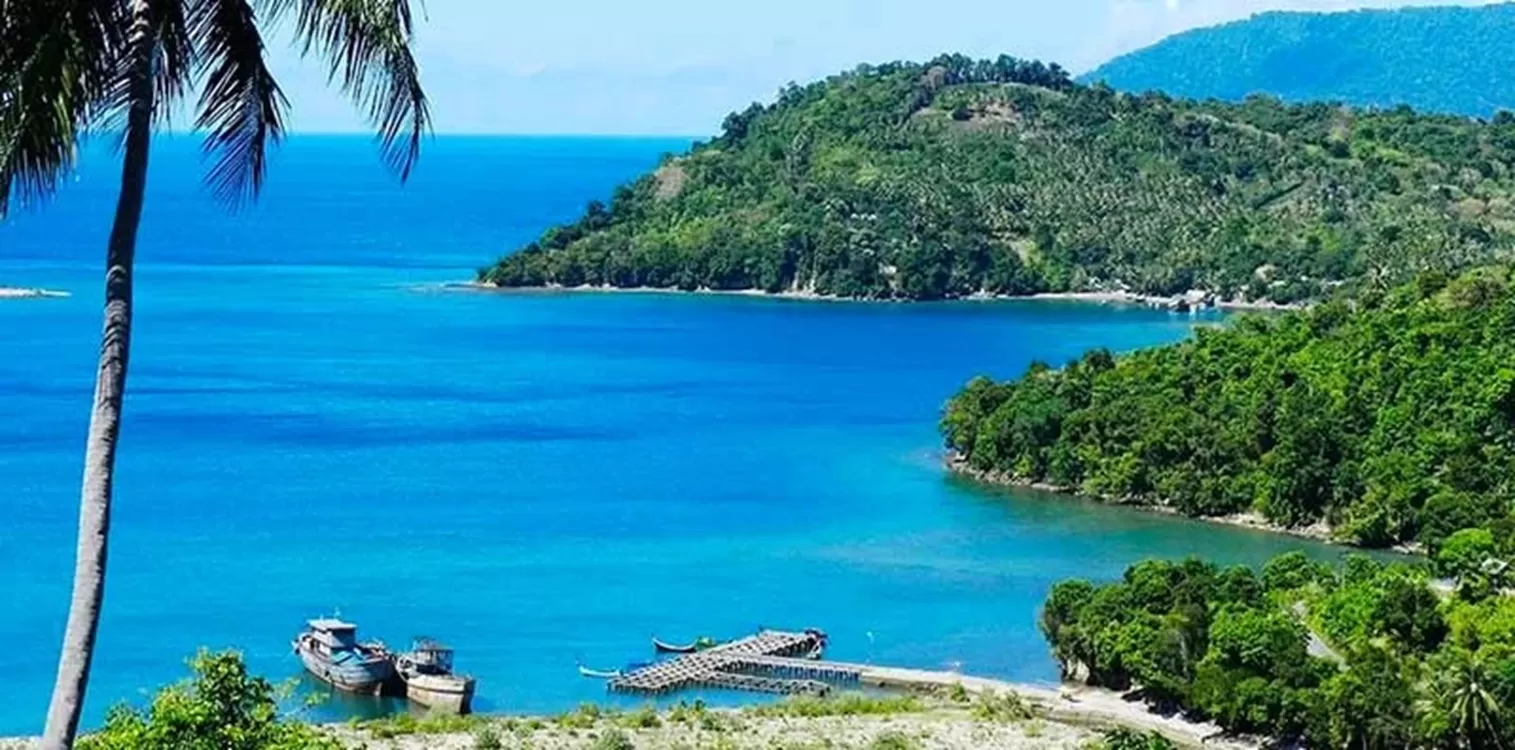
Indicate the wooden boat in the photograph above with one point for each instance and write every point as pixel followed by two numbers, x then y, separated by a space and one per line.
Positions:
pixel 330 650
pixel 700 644
pixel 426 670
pixel 599 674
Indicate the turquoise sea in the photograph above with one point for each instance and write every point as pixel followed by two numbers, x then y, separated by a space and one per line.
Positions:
pixel 314 426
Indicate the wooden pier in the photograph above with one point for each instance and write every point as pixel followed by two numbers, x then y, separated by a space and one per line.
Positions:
pixel 771 661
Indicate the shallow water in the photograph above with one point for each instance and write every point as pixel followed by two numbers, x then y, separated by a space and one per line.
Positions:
pixel 313 426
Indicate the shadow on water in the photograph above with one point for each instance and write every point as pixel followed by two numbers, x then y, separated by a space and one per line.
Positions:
pixel 323 703
pixel 1165 535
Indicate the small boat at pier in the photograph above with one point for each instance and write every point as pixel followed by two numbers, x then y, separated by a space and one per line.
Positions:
pixel 330 650
pixel 426 669
pixel 599 674
pixel 700 644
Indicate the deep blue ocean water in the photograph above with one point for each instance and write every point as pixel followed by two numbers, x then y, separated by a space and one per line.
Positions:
pixel 538 478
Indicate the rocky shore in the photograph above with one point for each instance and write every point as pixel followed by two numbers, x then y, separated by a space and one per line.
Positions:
pixel 1319 532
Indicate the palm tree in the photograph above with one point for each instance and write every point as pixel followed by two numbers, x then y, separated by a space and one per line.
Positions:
pixel 1466 695
pixel 69 67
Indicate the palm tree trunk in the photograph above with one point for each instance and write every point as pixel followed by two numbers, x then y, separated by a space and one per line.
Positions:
pixel 110 387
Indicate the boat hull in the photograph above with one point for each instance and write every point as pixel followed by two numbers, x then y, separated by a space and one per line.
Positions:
pixel 363 677
pixel 448 693
pixel 664 647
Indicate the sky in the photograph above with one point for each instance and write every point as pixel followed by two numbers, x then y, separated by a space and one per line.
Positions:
pixel 676 67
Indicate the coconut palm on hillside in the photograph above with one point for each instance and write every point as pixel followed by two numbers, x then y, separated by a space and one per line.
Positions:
pixel 72 66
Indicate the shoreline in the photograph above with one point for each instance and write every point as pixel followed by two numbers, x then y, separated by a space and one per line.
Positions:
pixel 1317 532
pixel 1152 300
pixel 1194 301
pixel 16 292
pixel 1057 718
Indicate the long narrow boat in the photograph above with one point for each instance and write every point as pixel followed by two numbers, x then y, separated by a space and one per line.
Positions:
pixel 699 644
pixel 599 674
pixel 330 650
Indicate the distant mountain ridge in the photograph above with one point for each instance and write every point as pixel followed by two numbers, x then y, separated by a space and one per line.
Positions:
pixel 1448 59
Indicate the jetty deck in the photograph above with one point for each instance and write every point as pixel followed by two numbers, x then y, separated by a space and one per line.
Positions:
pixel 770 661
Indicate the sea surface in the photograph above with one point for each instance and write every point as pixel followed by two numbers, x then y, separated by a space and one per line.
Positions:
pixel 315 426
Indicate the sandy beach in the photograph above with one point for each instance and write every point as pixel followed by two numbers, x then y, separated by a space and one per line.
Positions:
pixel 1148 300
pixel 938 729
pixel 965 713
pixel 1036 720
pixel 1104 298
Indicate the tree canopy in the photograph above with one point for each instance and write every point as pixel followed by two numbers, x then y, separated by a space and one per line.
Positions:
pixel 1390 417
pixel 1364 657
pixel 221 707
pixel 957 177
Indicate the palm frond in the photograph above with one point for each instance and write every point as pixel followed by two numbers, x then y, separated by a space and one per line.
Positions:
pixel 57 64
pixel 176 51
pixel 241 105
pixel 367 46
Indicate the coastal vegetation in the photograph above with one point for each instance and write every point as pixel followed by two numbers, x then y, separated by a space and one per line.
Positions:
pixel 223 707
pixel 958 177
pixel 1441 59
pixel 1367 656
pixel 124 66
pixel 1387 417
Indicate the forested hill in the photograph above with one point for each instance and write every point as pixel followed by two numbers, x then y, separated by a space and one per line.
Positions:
pixel 1391 417
pixel 958 176
pixel 1444 59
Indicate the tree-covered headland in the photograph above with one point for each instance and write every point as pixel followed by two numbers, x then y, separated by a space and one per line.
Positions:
pixel 1388 416
pixel 959 176
pixel 1366 657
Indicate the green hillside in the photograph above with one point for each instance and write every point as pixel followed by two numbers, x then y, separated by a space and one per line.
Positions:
pixel 1440 59
pixel 1390 417
pixel 1358 656
pixel 956 177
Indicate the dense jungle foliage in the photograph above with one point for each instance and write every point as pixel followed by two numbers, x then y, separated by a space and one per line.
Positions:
pixel 960 176
pixel 1441 59
pixel 1369 657
pixel 1389 416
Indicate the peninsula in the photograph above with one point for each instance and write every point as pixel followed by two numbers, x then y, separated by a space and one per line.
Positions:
pixel 1386 419
pixel 961 177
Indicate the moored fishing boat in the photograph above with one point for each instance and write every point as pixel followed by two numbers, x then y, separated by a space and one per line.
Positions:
pixel 699 644
pixel 426 669
pixel 330 650
pixel 599 674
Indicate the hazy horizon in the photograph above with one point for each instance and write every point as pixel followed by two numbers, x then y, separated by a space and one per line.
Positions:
pixel 677 67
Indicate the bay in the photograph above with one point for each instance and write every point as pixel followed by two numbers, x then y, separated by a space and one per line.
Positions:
pixel 315 425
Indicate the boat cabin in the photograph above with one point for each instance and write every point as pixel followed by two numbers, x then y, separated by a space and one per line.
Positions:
pixel 431 656
pixel 332 635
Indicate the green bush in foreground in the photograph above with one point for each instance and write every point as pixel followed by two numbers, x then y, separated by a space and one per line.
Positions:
pixel 1130 739
pixel 845 704
pixel 613 739
pixel 221 707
